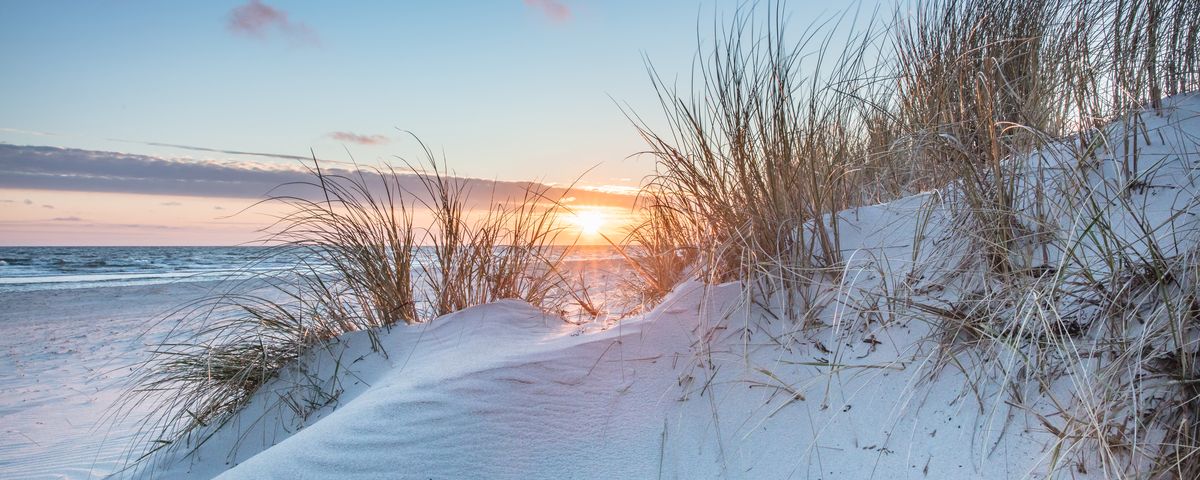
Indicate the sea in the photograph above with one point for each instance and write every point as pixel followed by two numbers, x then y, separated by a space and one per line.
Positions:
pixel 55 268
pixel 52 268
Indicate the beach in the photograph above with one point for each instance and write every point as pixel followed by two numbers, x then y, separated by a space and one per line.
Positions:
pixel 65 353
pixel 71 334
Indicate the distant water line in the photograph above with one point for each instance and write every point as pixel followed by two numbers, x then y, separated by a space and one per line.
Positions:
pixel 54 268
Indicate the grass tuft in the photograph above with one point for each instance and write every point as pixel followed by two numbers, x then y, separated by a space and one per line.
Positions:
pixel 359 264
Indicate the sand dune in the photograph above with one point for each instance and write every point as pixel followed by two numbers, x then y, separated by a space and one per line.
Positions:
pixel 703 386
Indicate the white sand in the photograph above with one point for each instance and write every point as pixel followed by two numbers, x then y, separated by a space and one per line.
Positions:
pixel 63 354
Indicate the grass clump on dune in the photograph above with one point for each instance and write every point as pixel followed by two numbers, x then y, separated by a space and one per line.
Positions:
pixel 1029 120
pixel 763 153
pixel 659 249
pixel 511 251
pixel 1063 273
pixel 775 137
pixel 359 264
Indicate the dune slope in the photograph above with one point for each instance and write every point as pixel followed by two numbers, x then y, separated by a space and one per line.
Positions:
pixel 707 384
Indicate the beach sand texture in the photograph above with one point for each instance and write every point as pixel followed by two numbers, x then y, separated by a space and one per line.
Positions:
pixel 64 354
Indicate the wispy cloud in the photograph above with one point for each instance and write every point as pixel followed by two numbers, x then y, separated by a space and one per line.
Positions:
pixel 614 189
pixel 171 204
pixel 69 169
pixel 27 132
pixel 256 19
pixel 66 219
pixel 351 137
pixel 138 226
pixel 216 150
pixel 51 207
pixel 555 10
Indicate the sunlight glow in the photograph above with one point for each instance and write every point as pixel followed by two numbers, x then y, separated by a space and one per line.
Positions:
pixel 588 221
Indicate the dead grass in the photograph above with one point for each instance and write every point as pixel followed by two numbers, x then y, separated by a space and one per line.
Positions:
pixel 1007 108
pixel 760 155
pixel 360 264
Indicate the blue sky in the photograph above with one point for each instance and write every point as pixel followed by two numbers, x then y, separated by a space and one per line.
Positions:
pixel 507 89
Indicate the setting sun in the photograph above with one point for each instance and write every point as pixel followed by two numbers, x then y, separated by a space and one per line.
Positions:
pixel 589 222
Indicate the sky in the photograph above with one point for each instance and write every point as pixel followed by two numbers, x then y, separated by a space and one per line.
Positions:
pixel 128 122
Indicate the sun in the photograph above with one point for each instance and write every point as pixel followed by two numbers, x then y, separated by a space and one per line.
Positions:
pixel 588 221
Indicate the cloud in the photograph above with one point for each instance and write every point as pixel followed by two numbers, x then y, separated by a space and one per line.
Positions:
pixel 216 150
pixel 614 189
pixel 171 204
pixel 75 223
pixel 257 20
pixel 70 169
pixel 138 226
pixel 28 132
pixel 351 137
pixel 28 201
pixel 51 207
pixel 52 168
pixel 555 10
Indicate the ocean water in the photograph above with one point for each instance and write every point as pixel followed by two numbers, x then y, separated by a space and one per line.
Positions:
pixel 42 268
pixel 53 268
